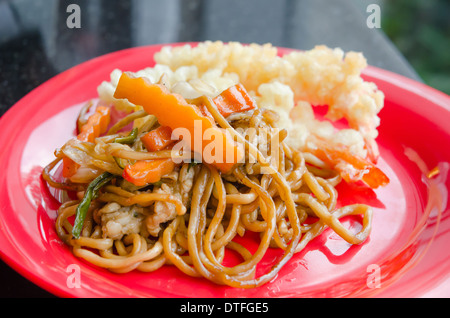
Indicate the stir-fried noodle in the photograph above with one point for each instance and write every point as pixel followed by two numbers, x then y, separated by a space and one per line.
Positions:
pixel 191 215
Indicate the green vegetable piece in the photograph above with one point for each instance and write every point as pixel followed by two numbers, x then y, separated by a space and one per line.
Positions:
pixel 119 162
pixel 127 139
pixel 90 194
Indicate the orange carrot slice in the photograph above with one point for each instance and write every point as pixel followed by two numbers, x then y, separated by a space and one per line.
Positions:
pixel 351 167
pixel 96 125
pixel 235 99
pixel 173 111
pixel 158 139
pixel 148 171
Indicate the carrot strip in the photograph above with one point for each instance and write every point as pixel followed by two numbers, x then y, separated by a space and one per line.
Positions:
pixel 173 111
pixel 96 125
pixel 158 139
pixel 352 168
pixel 233 100
pixel 70 167
pixel 148 171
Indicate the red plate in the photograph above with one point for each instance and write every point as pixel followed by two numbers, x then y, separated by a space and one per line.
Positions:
pixel 405 256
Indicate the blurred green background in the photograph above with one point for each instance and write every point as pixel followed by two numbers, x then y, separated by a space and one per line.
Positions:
pixel 421 31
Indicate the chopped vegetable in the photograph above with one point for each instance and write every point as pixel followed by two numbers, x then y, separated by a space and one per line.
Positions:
pixel 158 139
pixel 69 167
pixel 234 100
pixel 204 110
pixel 173 111
pixel 129 140
pixel 96 125
pixel 144 172
pixel 83 207
pixel 352 168
pixel 81 121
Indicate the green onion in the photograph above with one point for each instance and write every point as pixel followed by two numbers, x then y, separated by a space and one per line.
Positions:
pixel 90 194
pixel 127 139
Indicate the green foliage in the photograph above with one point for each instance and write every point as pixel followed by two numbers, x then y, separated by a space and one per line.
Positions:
pixel 421 31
